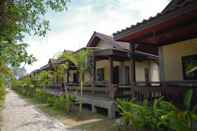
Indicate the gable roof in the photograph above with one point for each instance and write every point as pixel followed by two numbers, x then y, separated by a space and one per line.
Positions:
pixel 175 9
pixel 96 37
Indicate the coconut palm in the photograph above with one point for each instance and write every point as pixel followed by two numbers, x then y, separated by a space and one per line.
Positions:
pixel 80 60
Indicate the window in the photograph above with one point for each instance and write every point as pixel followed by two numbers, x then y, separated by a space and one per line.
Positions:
pixel 100 74
pixel 189 67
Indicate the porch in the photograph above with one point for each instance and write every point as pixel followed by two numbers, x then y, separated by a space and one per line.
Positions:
pixel 112 73
pixel 173 91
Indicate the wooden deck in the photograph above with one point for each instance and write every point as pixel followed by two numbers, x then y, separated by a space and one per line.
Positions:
pixel 171 90
pixel 100 96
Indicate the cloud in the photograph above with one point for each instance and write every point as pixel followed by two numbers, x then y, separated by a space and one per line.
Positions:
pixel 72 29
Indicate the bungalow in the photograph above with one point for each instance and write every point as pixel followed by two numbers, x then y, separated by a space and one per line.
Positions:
pixel 113 72
pixel 112 66
pixel 174 32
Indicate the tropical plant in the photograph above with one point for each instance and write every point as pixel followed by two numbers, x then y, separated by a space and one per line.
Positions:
pixel 80 60
pixel 59 73
pixel 27 87
pixel 64 103
pixel 161 115
pixel 137 115
pixel 181 120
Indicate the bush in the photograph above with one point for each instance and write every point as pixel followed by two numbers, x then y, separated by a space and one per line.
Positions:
pixel 30 88
pixel 160 116
pixel 2 92
pixel 41 96
pixel 2 95
pixel 64 102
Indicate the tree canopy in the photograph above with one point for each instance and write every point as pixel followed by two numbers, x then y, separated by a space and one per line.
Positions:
pixel 19 18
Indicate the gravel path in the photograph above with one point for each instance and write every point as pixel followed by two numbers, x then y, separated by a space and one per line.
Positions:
pixel 18 115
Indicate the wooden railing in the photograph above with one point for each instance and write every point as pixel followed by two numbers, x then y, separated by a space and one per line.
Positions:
pixel 99 89
pixel 171 90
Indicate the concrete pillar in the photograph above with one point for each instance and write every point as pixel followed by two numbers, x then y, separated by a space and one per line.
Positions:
pixel 93 109
pixel 112 111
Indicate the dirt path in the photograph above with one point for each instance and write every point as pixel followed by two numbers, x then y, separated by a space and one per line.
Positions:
pixel 18 115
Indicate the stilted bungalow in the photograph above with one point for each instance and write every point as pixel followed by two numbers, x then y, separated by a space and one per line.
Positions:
pixel 174 32
pixel 50 67
pixel 112 71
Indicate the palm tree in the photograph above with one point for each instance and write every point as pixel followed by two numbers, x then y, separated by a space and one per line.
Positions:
pixel 80 60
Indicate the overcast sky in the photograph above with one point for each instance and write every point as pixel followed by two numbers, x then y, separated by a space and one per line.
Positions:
pixel 73 28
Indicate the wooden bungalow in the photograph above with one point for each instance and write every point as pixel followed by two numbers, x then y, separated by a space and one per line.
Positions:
pixel 56 79
pixel 174 32
pixel 111 75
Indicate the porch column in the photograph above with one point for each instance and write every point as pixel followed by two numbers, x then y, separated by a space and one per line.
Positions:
pixel 111 88
pixel 122 73
pixel 132 69
pixel 161 65
pixel 93 73
pixel 132 66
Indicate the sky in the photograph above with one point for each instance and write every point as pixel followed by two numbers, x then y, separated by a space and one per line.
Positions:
pixel 71 29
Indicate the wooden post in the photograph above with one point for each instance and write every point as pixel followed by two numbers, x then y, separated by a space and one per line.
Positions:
pixel 132 71
pixel 110 88
pixel 132 68
pixel 93 73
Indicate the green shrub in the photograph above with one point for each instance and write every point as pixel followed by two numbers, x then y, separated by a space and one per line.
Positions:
pixel 2 95
pixel 51 100
pixel 161 115
pixel 34 88
pixel 64 103
pixel 41 96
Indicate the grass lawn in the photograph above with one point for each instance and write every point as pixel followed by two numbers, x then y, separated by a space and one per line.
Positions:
pixel 86 120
